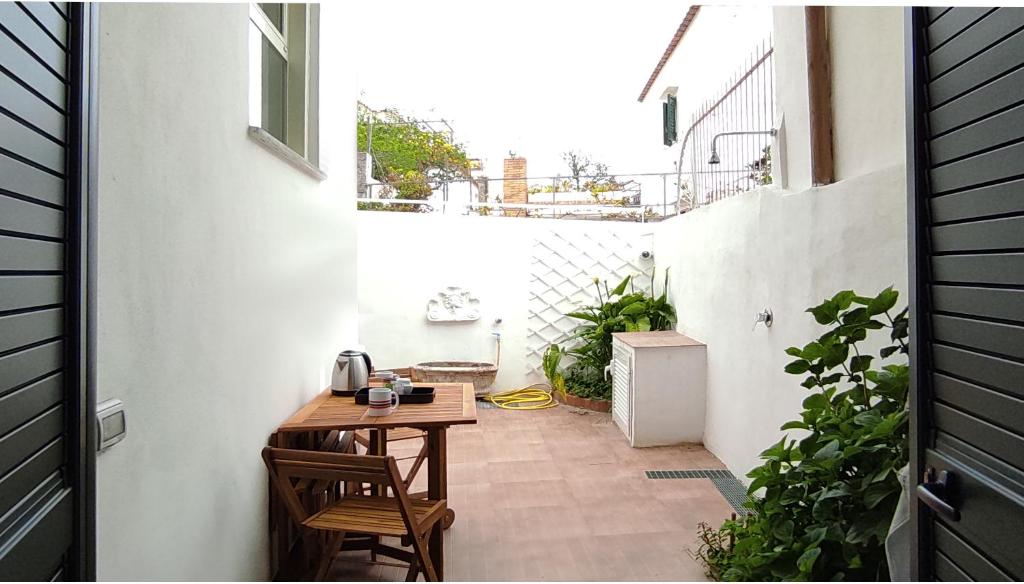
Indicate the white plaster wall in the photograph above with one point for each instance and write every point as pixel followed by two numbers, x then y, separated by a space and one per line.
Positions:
pixel 792 154
pixel 789 246
pixel 868 106
pixel 226 285
pixel 786 252
pixel 866 45
pixel 406 258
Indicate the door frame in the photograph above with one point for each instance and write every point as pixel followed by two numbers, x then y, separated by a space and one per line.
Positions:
pixel 80 288
pixel 917 238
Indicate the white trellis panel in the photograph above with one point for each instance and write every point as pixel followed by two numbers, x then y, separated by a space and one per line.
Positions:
pixel 562 273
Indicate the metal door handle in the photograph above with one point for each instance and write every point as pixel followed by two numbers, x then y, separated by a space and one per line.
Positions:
pixel 934 492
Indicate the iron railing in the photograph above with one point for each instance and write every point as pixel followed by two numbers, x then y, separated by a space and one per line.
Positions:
pixel 624 197
pixel 742 117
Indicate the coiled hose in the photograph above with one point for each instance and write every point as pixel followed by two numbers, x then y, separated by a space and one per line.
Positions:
pixel 532 397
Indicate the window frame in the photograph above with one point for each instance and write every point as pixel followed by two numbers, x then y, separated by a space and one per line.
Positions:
pixel 277 38
pixel 301 132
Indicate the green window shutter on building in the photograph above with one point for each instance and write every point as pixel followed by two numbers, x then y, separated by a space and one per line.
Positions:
pixel 668 120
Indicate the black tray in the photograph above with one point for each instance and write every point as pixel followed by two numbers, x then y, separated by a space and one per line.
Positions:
pixel 419 395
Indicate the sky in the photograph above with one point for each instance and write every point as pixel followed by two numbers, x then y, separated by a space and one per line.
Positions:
pixel 533 77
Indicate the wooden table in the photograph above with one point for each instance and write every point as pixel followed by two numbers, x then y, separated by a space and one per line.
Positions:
pixel 454 403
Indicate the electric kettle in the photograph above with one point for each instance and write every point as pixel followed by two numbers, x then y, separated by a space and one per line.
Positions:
pixel 351 371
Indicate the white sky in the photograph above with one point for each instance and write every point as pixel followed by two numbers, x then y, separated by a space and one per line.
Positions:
pixel 535 77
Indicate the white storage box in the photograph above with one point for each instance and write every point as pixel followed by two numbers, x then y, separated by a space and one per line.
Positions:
pixel 659 389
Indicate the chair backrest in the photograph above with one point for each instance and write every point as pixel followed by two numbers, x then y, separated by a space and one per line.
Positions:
pixel 291 468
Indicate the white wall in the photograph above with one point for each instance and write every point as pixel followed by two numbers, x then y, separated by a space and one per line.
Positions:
pixel 405 259
pixel 867 91
pixel 867 88
pixel 786 252
pixel 226 286
pixel 792 164
pixel 787 248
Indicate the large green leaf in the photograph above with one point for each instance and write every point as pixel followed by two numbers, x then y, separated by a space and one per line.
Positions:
pixel 806 561
pixel 584 316
pixel 885 300
pixel 621 287
pixel 637 307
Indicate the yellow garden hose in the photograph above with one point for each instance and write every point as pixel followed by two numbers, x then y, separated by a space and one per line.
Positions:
pixel 533 397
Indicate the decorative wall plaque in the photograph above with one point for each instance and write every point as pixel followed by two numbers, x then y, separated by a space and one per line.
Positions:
pixel 453 304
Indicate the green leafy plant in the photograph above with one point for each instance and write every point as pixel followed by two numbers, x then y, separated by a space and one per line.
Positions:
pixel 829 496
pixel 552 358
pixel 616 311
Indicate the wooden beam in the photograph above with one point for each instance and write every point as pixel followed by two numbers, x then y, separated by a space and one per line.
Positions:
pixel 819 90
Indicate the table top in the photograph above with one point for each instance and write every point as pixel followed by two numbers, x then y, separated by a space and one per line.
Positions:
pixel 454 403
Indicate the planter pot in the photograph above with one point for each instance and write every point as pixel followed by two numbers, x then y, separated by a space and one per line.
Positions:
pixel 481 375
pixel 596 405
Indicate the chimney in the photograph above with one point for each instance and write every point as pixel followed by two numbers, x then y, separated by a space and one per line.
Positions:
pixel 361 173
pixel 515 185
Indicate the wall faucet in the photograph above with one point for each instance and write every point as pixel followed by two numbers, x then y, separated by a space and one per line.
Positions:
pixel 765 317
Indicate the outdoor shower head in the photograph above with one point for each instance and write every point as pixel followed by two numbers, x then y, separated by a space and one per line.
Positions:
pixel 714 150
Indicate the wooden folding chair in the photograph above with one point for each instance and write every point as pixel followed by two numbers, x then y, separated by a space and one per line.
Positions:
pixel 308 484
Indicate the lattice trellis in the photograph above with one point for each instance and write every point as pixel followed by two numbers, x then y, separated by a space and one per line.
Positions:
pixel 562 273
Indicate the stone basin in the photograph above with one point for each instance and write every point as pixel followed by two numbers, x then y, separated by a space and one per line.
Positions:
pixel 481 375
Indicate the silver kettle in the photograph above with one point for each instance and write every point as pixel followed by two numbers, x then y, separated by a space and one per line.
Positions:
pixel 351 371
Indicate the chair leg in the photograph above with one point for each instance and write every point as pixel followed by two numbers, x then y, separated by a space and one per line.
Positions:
pixel 419 544
pixel 414 571
pixel 416 465
pixel 330 550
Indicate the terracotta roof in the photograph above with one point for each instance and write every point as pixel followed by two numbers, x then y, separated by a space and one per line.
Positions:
pixel 676 38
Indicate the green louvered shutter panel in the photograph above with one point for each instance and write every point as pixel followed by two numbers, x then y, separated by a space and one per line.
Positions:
pixel 668 120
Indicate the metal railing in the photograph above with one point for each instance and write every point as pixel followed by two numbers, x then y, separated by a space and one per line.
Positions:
pixel 727 149
pixel 623 197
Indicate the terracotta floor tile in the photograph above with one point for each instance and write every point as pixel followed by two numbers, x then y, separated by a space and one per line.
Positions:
pixel 555 496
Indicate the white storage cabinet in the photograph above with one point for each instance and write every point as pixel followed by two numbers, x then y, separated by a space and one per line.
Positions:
pixel 659 390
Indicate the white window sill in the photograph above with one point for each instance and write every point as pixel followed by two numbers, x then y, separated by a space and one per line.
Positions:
pixel 281 150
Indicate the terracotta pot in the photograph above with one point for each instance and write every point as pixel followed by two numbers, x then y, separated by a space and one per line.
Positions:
pixel 595 405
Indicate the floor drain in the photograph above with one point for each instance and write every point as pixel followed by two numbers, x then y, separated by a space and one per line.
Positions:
pixel 731 488
pixel 712 473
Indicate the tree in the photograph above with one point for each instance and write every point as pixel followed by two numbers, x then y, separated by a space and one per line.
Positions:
pixel 583 170
pixel 409 159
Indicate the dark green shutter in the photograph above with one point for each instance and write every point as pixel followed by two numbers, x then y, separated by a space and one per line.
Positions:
pixel 668 120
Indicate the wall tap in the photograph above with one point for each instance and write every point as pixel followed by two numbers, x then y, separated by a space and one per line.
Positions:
pixel 765 317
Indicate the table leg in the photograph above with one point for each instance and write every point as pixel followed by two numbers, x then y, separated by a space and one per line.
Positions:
pixel 437 488
pixel 282 523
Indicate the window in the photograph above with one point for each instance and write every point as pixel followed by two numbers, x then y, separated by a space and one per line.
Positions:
pixel 283 74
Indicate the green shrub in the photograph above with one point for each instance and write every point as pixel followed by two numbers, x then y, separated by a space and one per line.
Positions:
pixel 615 312
pixel 587 381
pixel 829 497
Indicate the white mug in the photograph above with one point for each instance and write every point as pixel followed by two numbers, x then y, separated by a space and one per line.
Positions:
pixel 380 400
pixel 402 386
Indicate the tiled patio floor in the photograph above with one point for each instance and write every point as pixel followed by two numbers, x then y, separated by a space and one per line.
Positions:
pixel 554 495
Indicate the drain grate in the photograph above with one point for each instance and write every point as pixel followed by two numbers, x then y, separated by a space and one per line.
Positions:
pixel 735 492
pixel 731 488
pixel 711 473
